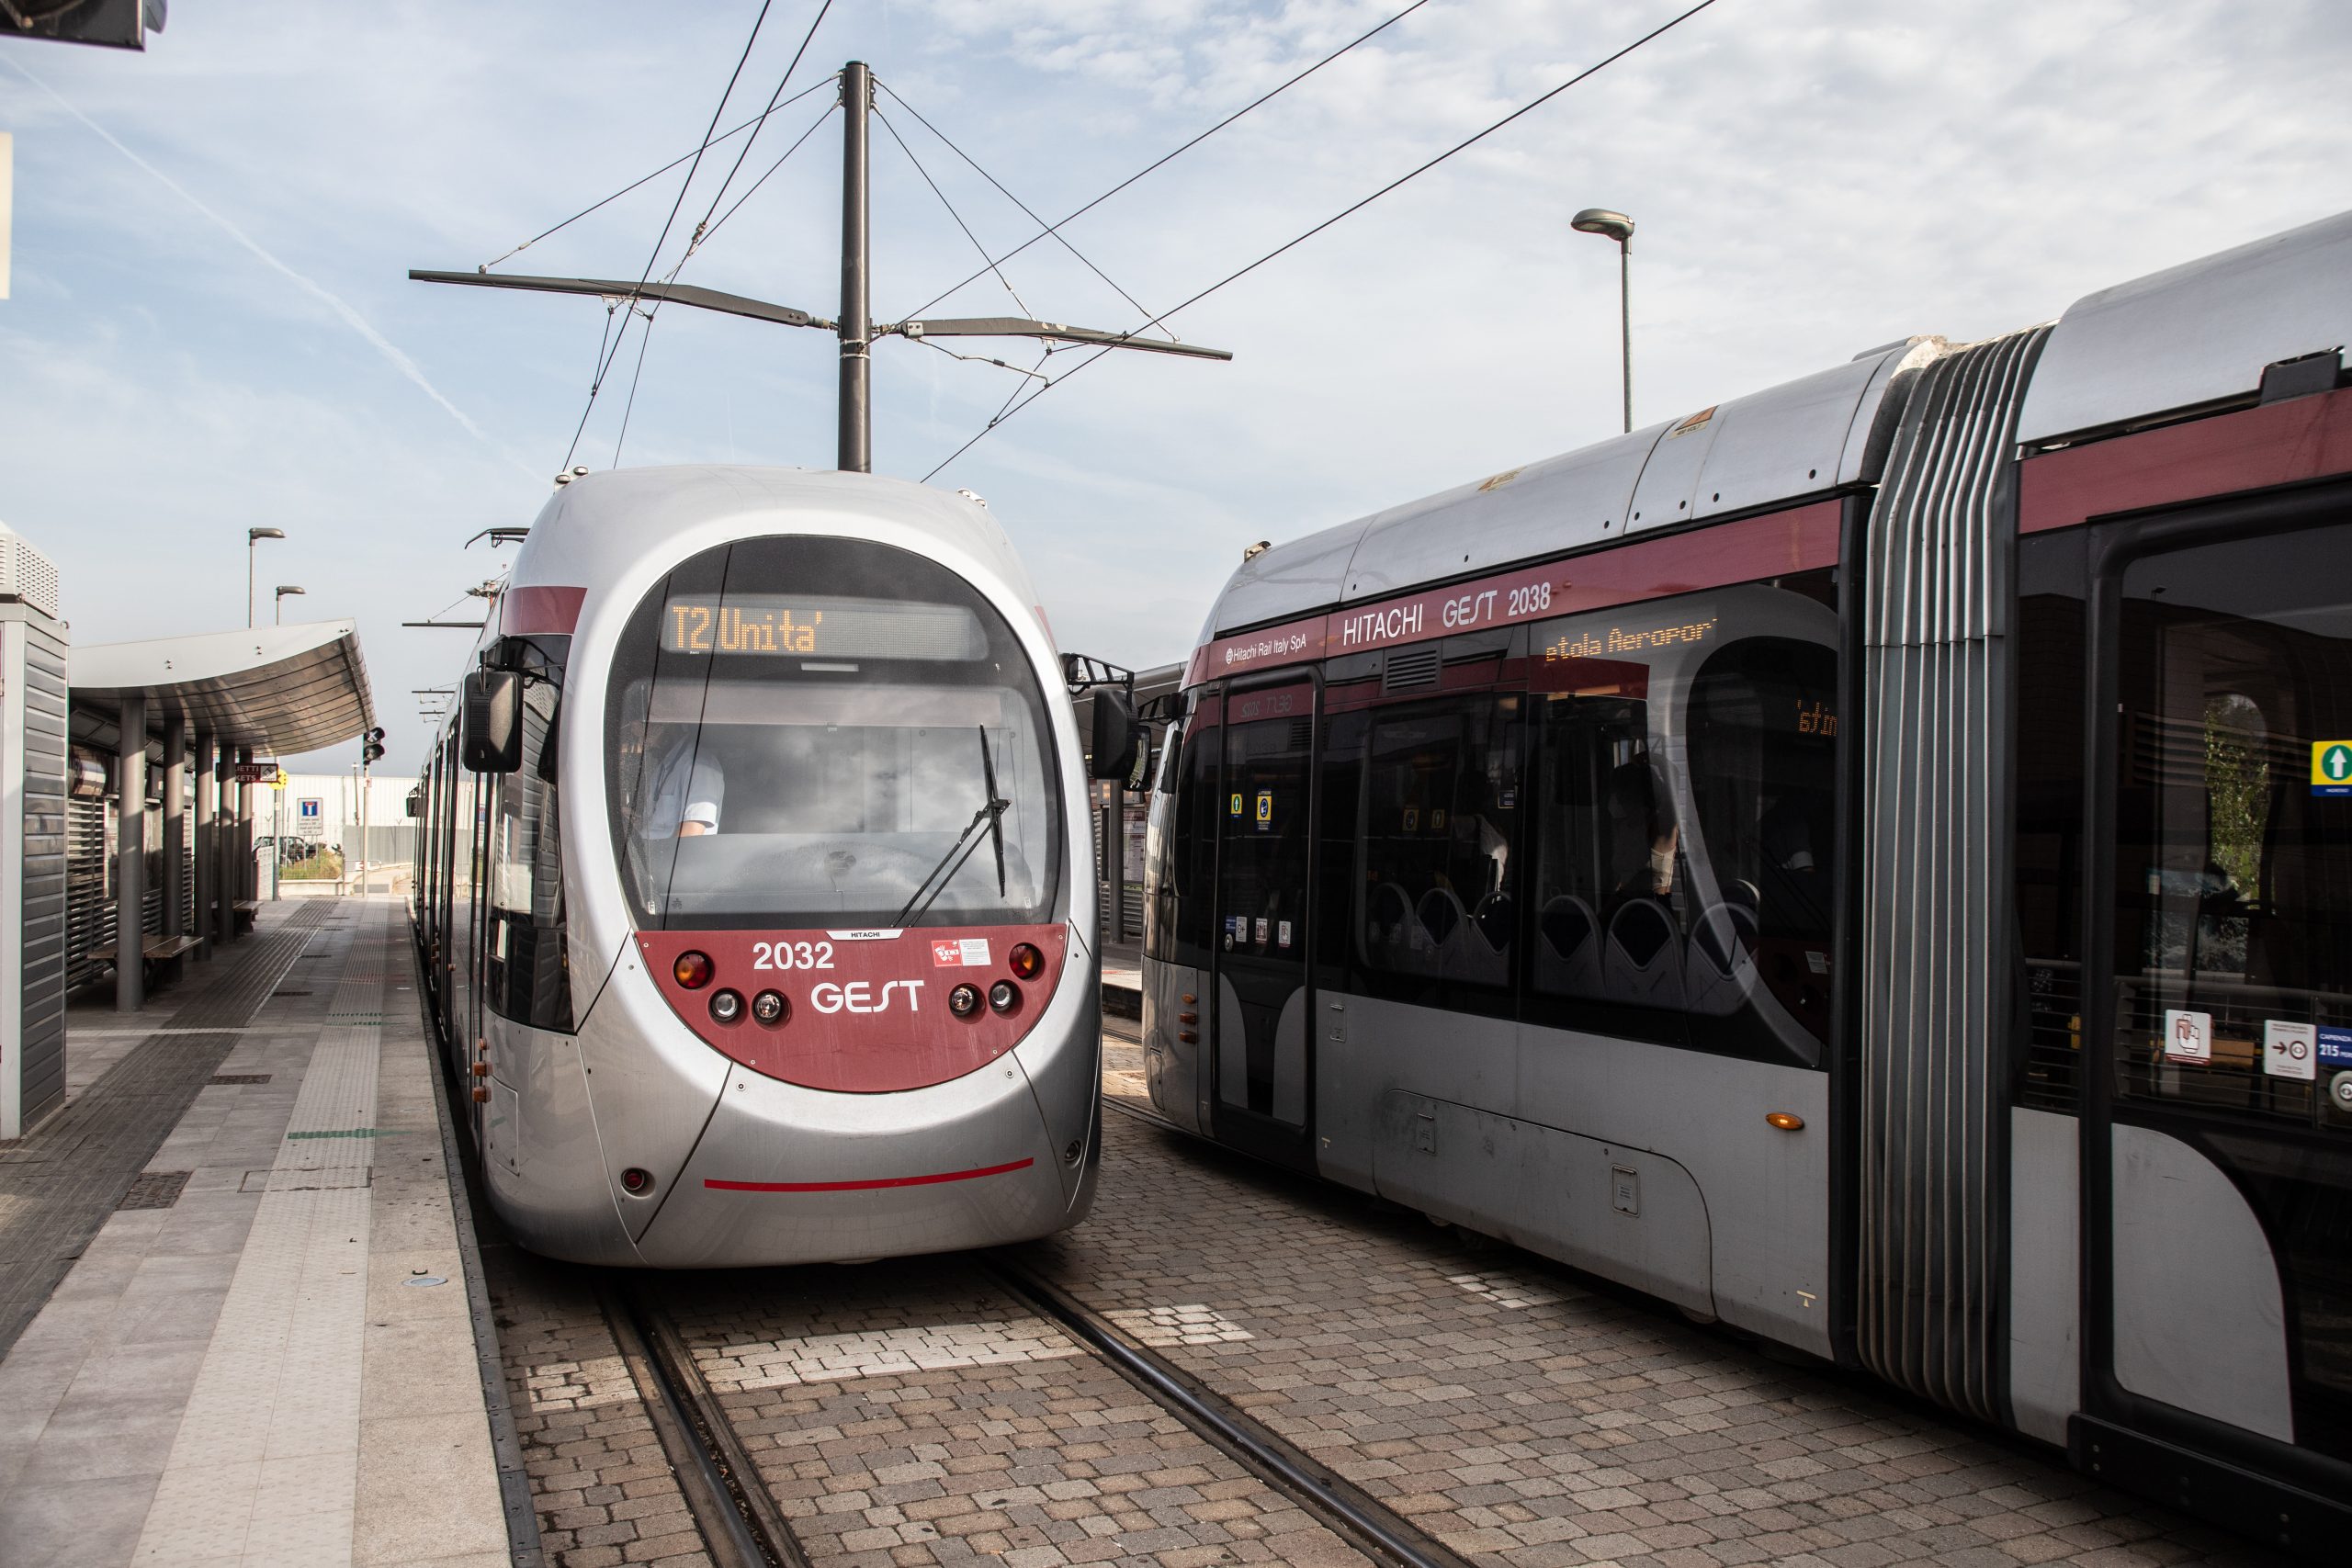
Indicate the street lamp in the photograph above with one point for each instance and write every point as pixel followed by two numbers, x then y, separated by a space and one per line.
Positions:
pixel 277 615
pixel 252 537
pixel 1620 227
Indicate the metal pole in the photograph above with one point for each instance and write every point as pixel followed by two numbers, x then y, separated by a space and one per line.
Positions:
pixel 250 543
pixel 131 853
pixel 248 875
pixel 174 823
pixel 856 326
pixel 1625 319
pixel 208 869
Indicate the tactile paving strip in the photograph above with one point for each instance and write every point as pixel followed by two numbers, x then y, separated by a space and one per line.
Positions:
pixel 265 1466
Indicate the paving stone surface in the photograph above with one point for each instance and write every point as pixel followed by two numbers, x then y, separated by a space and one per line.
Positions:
pixel 605 1491
pixel 1524 1417
pixel 909 1413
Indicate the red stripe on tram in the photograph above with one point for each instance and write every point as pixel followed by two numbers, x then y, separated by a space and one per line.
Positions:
pixel 869 1185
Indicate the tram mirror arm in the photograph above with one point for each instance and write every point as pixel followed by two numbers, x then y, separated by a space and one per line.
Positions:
pixel 494 727
pixel 1111 732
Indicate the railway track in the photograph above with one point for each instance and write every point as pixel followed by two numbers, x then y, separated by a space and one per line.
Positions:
pixel 744 1525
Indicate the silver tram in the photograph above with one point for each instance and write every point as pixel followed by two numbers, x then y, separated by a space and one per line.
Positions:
pixel 747 892
pixel 1870 862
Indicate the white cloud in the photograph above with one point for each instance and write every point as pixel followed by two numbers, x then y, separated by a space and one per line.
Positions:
pixel 1810 177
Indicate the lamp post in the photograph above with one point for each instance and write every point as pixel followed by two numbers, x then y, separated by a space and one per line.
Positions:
pixel 255 537
pixel 1620 227
pixel 278 612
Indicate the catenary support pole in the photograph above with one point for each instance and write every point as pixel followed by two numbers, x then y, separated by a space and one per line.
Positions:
pixel 856 324
pixel 131 853
pixel 207 854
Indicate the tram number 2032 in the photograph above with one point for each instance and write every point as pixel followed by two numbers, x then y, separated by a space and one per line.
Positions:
pixel 792 955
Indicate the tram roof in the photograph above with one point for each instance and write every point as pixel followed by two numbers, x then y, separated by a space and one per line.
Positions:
pixel 282 690
pixel 2193 337
pixel 1804 437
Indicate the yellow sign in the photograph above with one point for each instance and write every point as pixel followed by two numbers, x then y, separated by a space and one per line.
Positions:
pixel 2332 767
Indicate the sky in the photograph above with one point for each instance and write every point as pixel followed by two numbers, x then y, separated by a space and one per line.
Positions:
pixel 210 326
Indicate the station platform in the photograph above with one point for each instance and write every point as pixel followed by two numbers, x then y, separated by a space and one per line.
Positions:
pixel 235 1318
pixel 1122 979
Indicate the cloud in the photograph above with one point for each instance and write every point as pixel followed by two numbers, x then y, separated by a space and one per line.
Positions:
pixel 1810 177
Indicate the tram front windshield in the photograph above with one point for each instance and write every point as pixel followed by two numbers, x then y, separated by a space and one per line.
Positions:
pixel 827 733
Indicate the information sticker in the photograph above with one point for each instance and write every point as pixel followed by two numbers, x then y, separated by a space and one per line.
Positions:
pixel 964 953
pixel 1265 808
pixel 2290 1050
pixel 2188 1036
pixel 1281 935
pixel 1261 930
pixel 2334 1047
pixel 1235 809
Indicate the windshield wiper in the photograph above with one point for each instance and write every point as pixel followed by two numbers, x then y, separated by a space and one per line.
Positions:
pixel 991 811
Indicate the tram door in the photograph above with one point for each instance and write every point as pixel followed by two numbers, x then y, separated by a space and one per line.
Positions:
pixel 2217 1150
pixel 1265 834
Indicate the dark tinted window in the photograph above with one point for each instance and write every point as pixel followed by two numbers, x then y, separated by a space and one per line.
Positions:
pixel 1686 789
pixel 530 978
pixel 2049 659
pixel 1180 919
pixel 1437 890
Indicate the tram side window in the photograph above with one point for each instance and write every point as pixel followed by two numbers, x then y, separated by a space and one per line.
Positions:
pixel 530 978
pixel 2233 829
pixel 1178 917
pixel 1438 893
pixel 1686 787
pixel 2047 1029
pixel 1763 754
pixel 1608 933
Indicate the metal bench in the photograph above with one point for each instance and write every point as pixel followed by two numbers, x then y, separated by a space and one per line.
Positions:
pixel 241 914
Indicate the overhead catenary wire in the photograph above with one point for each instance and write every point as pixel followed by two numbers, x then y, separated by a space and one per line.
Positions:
pixel 1294 243
pixel 1258 102
pixel 704 229
pixel 727 135
pixel 954 214
pixel 992 265
pixel 655 254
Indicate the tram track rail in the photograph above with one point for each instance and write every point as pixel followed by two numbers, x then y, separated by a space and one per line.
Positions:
pixel 737 1516
pixel 1352 1514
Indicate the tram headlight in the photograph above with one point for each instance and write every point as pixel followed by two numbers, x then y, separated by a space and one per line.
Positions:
pixel 1027 962
pixel 964 1000
pixel 770 1008
pixel 1004 995
pixel 694 970
pixel 727 1007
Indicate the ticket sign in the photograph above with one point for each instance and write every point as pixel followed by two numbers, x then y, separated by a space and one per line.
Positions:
pixel 2188 1036
pixel 2332 767
pixel 254 772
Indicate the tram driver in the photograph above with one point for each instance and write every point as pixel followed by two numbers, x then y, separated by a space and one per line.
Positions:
pixel 689 788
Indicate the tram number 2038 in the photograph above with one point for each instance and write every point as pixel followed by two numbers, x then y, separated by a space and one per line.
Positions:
pixel 792 955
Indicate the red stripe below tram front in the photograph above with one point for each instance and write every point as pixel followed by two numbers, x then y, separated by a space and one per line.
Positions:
pixel 866 1185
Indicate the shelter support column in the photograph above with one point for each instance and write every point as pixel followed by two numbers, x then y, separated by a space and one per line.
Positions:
pixel 207 854
pixel 248 885
pixel 130 855
pixel 174 824
pixel 225 831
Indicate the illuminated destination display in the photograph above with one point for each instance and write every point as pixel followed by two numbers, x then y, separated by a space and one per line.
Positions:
pixel 831 625
pixel 1617 640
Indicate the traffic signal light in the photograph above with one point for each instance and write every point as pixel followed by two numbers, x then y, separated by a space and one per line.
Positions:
pixel 371 745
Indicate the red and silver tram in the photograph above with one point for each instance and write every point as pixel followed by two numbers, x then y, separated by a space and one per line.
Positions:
pixel 1870 862
pixel 747 893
